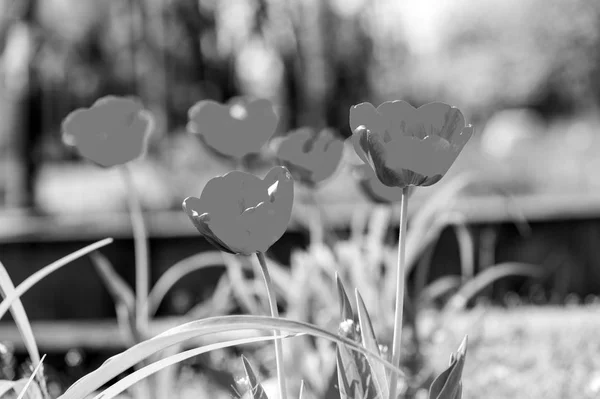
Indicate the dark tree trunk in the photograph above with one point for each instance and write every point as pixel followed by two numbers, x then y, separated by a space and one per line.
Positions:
pixel 23 102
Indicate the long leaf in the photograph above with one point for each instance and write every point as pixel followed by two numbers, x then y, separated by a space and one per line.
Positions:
pixel 369 341
pixel 354 371
pixel 487 277
pixel 44 272
pixel 301 393
pixel 31 378
pixel 440 287
pixel 466 247
pixel 123 361
pixel 346 311
pixel 349 378
pixel 122 295
pixel 117 287
pixel 448 384
pixel 133 378
pixel 7 386
pixel 19 315
pixel 177 272
pixel 256 389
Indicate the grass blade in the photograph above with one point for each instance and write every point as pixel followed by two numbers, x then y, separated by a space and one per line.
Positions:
pixel 157 366
pixel 301 389
pixel 378 372
pixel 257 390
pixel 120 291
pixel 214 325
pixel 487 277
pixel 448 384
pixel 177 272
pixel 348 379
pixel 122 295
pixel 20 316
pixel 31 378
pixel 466 248
pixel 354 371
pixel 47 270
pixel 6 387
pixel 346 311
pixel 440 287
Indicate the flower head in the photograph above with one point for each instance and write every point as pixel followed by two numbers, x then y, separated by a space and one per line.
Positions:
pixel 408 146
pixel 311 157
pixel 242 214
pixel 113 131
pixel 236 129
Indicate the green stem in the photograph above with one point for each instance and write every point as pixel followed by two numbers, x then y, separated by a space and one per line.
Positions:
pixel 274 313
pixel 397 340
pixel 316 220
pixel 140 239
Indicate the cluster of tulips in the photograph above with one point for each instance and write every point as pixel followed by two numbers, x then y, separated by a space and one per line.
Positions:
pixel 401 147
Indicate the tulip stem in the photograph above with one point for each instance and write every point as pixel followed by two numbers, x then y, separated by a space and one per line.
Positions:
pixel 140 240
pixel 274 313
pixel 316 220
pixel 397 340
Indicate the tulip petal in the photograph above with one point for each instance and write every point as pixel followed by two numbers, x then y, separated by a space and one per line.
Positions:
pixel 366 114
pixel 201 222
pixel 373 145
pixel 294 145
pixel 73 123
pixel 329 160
pixel 429 180
pixel 441 119
pixel 276 212
pixel 461 139
pixel 240 213
pixel 223 199
pixel 356 138
pixel 429 157
pixel 113 131
pixel 374 189
pixel 282 197
pixel 401 118
pixel 311 158
pixel 230 134
pixel 407 146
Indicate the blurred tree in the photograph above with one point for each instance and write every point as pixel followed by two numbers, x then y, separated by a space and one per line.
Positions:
pixel 22 102
pixel 314 59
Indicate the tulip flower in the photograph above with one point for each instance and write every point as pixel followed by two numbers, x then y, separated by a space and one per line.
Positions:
pixel 241 214
pixel 310 157
pixel 113 131
pixel 408 146
pixel 236 129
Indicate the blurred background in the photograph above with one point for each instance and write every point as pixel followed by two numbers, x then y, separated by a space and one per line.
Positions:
pixel 526 74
